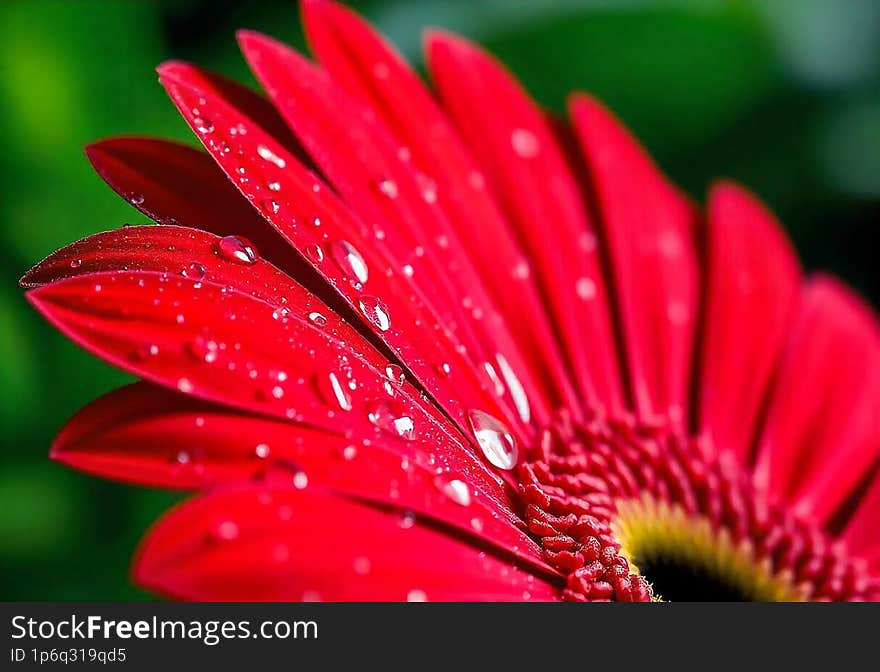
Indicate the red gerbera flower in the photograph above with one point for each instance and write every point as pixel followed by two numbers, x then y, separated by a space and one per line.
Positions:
pixel 456 351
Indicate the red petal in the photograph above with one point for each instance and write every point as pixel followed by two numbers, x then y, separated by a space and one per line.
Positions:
pixel 223 345
pixel 650 229
pixel 149 436
pixel 528 171
pixel 823 424
pixel 250 104
pixel 862 532
pixel 360 60
pixel 278 544
pixel 176 184
pixel 312 219
pixel 362 159
pixel 753 280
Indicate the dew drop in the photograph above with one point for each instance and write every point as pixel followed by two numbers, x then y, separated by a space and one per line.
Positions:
pixel 333 391
pixel 388 188
pixel 395 374
pixel 281 313
pixel 350 260
pixel 76 263
pixel 524 143
pixel 262 451
pixel 136 199
pixel 274 186
pixel 194 271
pixel 317 319
pixel 348 453
pixel 514 386
pixel 300 480
pixel 226 530
pixel 315 253
pixel 586 289
pixel 362 566
pixel 396 424
pixel 269 155
pixel 238 249
pixel 456 489
pixel 494 439
pixel 203 125
pixel 416 595
pixel 376 312
pixel 204 349
pixel 185 385
pixel 407 520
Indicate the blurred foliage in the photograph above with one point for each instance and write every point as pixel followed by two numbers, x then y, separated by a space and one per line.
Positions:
pixel 783 95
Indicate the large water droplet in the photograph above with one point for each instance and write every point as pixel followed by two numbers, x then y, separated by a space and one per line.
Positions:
pixel 238 249
pixel 396 424
pixel 376 312
pixel 494 439
pixel 350 260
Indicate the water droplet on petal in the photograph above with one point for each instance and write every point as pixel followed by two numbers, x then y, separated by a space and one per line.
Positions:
pixel 185 385
pixel 281 313
pixel 362 566
pixel 586 289
pixel 203 125
pixel 520 400
pixel 269 155
pixel 416 595
pixel 317 319
pixel 300 480
pixel 262 451
pixel 226 530
pixel 524 143
pixel 76 263
pixel 395 374
pixel 350 260
pixel 407 520
pixel 333 391
pixel 193 271
pixel 456 489
pixel 349 453
pixel 204 349
pixel 396 424
pixel 388 188
pixel 238 249
pixel 136 199
pixel 315 253
pixel 376 312
pixel 494 439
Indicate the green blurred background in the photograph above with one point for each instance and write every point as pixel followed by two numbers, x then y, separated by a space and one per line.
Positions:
pixel 783 95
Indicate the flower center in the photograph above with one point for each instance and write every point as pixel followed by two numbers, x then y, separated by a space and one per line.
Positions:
pixel 629 511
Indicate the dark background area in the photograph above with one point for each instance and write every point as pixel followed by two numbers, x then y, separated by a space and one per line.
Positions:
pixel 783 95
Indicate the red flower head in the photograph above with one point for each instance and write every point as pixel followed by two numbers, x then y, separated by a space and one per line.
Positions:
pixel 410 349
